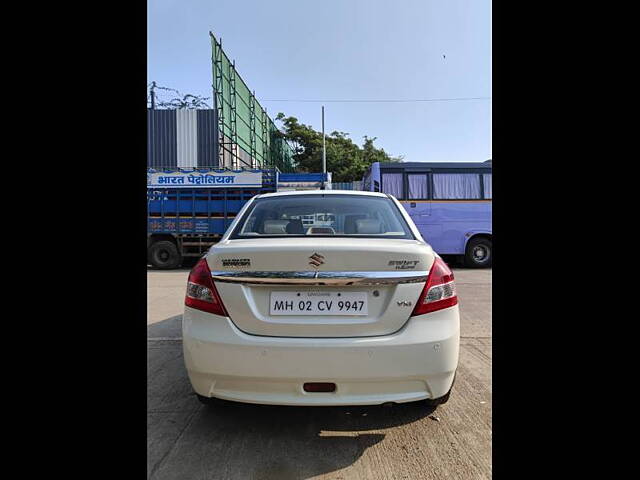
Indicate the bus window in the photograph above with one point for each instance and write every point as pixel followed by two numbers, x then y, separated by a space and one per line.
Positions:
pixel 486 178
pixel 456 186
pixel 392 184
pixel 417 187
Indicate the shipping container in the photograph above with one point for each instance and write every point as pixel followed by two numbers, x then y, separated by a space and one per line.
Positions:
pixel 182 138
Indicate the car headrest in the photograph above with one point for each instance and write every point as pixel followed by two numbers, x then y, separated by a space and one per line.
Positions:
pixel 274 227
pixel 350 223
pixel 368 225
pixel 295 227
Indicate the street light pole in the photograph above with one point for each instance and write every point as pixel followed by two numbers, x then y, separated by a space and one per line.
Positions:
pixel 324 153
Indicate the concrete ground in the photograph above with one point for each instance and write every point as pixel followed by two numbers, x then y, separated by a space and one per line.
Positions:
pixel 186 440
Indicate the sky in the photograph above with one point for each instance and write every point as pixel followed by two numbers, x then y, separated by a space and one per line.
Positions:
pixel 344 50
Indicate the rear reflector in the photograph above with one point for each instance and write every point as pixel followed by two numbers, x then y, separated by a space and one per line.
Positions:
pixel 319 387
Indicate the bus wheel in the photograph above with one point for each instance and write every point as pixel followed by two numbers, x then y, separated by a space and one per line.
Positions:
pixel 478 253
pixel 164 255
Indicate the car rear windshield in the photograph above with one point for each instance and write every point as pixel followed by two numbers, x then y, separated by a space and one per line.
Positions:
pixel 323 215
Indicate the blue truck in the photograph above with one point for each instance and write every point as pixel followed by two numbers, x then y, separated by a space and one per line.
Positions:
pixel 189 209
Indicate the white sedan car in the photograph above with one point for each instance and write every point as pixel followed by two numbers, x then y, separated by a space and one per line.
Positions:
pixel 321 298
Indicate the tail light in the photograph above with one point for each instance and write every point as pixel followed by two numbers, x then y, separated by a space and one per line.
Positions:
pixel 201 292
pixel 440 290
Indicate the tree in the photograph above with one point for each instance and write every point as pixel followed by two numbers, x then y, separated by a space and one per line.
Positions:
pixel 346 160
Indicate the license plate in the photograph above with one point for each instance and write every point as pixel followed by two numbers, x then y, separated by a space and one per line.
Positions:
pixel 318 303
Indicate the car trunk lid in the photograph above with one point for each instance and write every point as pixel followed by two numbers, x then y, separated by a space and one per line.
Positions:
pixel 385 277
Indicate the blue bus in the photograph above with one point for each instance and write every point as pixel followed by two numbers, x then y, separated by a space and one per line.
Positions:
pixel 450 204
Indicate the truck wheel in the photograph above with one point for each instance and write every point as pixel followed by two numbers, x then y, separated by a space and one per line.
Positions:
pixel 164 255
pixel 479 253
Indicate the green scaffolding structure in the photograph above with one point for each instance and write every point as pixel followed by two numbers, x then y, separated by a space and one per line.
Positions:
pixel 247 137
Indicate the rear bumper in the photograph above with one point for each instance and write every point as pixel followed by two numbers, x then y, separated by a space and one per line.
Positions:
pixel 415 363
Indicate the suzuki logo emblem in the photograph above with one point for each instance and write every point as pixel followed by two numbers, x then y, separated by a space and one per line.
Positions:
pixel 316 260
